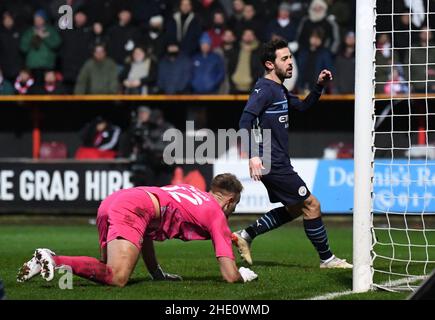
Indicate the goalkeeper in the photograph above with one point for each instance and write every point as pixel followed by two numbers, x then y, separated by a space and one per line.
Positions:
pixel 267 108
pixel 129 220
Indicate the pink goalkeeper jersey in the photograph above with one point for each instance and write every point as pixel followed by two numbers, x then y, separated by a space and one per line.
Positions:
pixel 190 214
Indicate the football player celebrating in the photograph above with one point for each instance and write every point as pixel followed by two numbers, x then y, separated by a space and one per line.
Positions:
pixel 267 108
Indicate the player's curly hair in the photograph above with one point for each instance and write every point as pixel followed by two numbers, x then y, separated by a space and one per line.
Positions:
pixel 269 50
pixel 226 182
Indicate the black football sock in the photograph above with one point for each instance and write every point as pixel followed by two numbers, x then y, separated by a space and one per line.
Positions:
pixel 269 221
pixel 316 232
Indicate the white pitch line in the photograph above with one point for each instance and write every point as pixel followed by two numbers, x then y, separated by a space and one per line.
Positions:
pixel 334 295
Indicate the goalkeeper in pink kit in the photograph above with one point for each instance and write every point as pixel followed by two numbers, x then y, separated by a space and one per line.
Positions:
pixel 130 220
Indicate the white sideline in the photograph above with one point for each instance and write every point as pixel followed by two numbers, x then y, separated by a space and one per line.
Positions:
pixel 334 295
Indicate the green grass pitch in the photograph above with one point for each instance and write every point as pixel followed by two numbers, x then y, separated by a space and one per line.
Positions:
pixel 285 261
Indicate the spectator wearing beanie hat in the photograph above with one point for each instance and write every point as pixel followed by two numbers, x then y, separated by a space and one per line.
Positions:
pixel 316 19
pixel 155 38
pixel 208 68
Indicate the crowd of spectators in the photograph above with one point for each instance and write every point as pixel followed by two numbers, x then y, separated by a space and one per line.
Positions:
pixel 406 56
pixel 177 47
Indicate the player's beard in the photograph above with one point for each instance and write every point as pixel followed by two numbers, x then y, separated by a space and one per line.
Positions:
pixel 283 74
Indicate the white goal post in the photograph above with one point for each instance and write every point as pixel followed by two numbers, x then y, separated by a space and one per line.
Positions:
pixel 364 93
pixel 394 158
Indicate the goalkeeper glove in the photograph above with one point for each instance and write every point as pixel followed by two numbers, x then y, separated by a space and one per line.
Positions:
pixel 159 274
pixel 247 274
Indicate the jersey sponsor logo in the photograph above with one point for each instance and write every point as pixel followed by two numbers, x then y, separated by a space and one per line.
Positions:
pixel 283 119
pixel 302 191
pixel 257 90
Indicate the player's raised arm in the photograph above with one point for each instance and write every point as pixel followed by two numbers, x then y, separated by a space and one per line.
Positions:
pixel 325 76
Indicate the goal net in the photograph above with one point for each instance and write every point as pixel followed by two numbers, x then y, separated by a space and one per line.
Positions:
pixel 402 164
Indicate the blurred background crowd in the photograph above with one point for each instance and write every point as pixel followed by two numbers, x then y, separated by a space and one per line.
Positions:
pixel 170 46
pixel 196 47
pixel 190 46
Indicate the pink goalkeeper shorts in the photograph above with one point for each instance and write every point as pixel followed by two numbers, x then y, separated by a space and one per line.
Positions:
pixel 125 214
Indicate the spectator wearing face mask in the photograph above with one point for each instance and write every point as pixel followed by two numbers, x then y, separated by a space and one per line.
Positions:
pixel 155 38
pixel 284 25
pixel 98 35
pixel 174 72
pixel 217 29
pixel 236 14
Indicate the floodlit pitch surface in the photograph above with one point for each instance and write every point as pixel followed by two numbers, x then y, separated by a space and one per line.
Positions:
pixel 284 259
